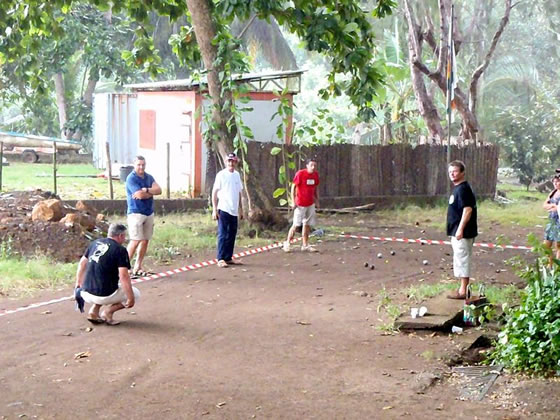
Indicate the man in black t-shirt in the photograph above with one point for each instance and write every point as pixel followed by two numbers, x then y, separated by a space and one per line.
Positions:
pixel 103 279
pixel 461 226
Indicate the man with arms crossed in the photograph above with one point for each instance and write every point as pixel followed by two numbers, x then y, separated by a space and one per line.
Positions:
pixel 305 198
pixel 226 209
pixel 461 226
pixel 102 277
pixel 140 190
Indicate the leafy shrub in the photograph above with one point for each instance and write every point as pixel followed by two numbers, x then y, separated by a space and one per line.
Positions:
pixel 530 340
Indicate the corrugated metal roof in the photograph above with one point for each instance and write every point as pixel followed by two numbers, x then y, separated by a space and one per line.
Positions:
pixel 190 84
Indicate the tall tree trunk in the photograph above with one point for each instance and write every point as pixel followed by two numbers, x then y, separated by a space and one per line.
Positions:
pixel 260 206
pixel 87 99
pixel 60 102
pixel 426 106
pixel 470 127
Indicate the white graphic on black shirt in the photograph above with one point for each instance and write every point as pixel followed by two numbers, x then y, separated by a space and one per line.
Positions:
pixel 100 250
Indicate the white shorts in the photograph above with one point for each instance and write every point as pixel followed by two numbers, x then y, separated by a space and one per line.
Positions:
pixel 462 256
pixel 140 226
pixel 118 297
pixel 304 216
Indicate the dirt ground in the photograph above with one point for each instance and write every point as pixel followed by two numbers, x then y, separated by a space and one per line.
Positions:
pixel 283 336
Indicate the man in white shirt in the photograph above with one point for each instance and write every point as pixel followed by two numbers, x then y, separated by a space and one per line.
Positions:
pixel 226 209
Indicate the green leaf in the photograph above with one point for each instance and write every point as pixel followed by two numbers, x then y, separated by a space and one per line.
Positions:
pixel 278 192
pixel 275 150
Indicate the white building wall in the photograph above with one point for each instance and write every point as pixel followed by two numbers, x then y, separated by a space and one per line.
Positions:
pixel 173 126
pixel 259 120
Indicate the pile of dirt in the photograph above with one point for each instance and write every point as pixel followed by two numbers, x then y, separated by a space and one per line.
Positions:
pixel 39 223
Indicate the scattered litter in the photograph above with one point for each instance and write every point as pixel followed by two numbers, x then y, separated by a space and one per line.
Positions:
pixel 456 330
pixel 422 311
pixel 303 323
pixel 82 355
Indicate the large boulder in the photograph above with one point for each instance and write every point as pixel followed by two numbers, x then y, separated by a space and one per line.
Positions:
pixel 70 219
pixel 85 208
pixel 47 211
pixel 79 219
pixel 87 221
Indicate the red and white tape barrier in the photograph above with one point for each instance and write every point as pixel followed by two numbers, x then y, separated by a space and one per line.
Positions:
pixel 430 241
pixel 258 250
pixel 163 274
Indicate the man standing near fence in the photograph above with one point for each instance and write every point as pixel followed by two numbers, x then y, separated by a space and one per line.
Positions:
pixel 305 199
pixel 226 209
pixel 461 226
pixel 140 190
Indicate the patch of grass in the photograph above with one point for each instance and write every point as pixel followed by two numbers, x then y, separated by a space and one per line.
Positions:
pixel 392 310
pixel 425 291
pixel 504 294
pixel 71 184
pixel 522 213
pixel 24 277
pixel 430 216
pixel 184 233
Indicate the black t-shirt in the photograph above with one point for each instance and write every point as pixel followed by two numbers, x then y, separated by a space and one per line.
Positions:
pixel 461 197
pixel 105 256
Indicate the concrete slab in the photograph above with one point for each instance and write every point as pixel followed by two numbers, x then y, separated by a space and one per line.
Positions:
pixel 442 314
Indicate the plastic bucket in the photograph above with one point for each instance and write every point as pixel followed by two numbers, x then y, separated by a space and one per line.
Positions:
pixel 124 171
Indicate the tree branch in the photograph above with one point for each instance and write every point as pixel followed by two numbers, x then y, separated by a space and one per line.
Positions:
pixel 473 89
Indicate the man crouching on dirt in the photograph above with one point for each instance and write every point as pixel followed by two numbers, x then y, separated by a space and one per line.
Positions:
pixel 103 279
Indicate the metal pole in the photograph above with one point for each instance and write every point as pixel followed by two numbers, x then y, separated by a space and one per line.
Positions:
pixel 449 93
pixel 168 171
pixel 54 167
pixel 109 170
pixel 1 162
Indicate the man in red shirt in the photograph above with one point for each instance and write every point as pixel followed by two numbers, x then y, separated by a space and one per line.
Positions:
pixel 305 198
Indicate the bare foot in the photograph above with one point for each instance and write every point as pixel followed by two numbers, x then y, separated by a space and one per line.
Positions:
pixel 109 319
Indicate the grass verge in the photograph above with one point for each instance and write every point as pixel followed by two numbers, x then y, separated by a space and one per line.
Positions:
pixel 24 278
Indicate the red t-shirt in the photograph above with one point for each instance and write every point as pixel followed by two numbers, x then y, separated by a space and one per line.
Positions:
pixel 306 184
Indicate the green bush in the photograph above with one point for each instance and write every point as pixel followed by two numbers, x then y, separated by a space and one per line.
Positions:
pixel 530 341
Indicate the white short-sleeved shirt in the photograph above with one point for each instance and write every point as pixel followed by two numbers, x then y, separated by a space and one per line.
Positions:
pixel 229 185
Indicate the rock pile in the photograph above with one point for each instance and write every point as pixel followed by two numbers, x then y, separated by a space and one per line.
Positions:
pixel 38 222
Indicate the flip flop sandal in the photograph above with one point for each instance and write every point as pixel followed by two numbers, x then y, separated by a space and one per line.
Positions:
pixel 456 295
pixel 234 262
pixel 96 320
pixel 223 264
pixel 111 322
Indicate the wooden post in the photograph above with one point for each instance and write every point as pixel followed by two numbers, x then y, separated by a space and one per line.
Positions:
pixel 168 171
pixel 54 167
pixel 109 171
pixel 1 162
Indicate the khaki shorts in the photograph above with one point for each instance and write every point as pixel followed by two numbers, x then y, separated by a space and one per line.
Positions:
pixel 140 227
pixel 118 297
pixel 305 216
pixel 462 256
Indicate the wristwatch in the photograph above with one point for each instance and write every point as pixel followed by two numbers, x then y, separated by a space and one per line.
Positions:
pixel 146 189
